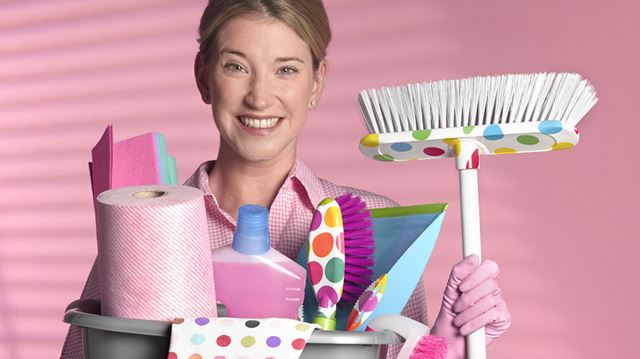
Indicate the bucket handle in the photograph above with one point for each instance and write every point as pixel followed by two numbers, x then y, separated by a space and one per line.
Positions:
pixel 410 330
pixel 85 305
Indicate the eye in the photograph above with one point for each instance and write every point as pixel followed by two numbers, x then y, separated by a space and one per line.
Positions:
pixel 288 70
pixel 234 67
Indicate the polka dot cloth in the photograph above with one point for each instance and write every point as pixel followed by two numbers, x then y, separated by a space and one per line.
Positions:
pixel 197 338
pixel 498 139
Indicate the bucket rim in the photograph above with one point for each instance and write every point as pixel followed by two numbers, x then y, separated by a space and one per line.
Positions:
pixel 85 314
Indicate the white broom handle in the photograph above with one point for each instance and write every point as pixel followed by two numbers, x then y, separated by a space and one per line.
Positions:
pixel 470 211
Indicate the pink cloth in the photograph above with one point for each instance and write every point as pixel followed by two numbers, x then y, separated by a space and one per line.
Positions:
pixel 289 219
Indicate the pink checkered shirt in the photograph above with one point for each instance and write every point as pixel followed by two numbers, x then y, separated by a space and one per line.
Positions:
pixel 289 219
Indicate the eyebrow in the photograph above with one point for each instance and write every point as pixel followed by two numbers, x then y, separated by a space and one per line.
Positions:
pixel 279 59
pixel 290 58
pixel 233 52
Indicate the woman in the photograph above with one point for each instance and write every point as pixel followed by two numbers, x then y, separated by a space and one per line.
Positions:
pixel 261 67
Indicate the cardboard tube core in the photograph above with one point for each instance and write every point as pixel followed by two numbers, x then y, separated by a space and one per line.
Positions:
pixel 149 194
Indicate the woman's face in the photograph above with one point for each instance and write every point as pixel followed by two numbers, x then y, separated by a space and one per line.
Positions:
pixel 260 83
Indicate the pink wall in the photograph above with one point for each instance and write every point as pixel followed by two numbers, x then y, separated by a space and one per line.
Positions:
pixel 559 224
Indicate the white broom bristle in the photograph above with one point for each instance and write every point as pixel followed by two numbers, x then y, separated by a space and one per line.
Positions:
pixel 477 101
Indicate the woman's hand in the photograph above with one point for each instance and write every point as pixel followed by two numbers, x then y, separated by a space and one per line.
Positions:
pixel 472 300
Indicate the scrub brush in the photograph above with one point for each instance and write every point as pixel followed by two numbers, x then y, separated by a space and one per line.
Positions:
pixel 466 118
pixel 418 343
pixel 430 347
pixel 359 247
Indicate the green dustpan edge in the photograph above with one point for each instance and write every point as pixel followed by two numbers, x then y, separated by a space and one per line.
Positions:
pixel 408 210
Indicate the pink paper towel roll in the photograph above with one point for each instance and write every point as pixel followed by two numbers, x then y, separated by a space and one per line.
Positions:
pixel 154 253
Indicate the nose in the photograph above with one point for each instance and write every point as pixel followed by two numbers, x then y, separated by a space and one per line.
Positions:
pixel 260 93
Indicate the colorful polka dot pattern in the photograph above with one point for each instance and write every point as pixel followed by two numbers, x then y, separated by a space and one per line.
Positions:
pixel 367 303
pixel 493 133
pixel 490 139
pixel 223 338
pixel 326 256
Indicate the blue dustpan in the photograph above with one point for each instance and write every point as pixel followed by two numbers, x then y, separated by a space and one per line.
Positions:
pixel 404 237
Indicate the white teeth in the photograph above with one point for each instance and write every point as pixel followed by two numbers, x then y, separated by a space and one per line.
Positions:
pixel 257 123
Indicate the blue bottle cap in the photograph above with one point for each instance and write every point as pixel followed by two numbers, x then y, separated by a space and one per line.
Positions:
pixel 252 232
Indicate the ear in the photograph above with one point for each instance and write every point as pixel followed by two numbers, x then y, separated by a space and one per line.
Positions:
pixel 319 79
pixel 201 71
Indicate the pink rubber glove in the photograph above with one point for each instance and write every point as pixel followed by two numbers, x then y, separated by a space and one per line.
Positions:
pixel 472 300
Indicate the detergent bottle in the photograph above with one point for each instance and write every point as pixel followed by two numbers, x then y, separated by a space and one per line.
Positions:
pixel 252 279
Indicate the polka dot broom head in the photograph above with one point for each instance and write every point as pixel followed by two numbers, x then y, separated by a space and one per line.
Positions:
pixel 500 114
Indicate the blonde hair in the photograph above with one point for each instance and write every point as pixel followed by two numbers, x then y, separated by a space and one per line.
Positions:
pixel 307 18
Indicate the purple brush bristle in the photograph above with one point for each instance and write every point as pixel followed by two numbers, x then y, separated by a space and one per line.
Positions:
pixel 430 347
pixel 358 246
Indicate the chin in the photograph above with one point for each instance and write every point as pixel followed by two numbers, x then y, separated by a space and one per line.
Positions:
pixel 261 154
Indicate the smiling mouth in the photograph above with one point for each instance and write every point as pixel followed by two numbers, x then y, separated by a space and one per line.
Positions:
pixel 265 123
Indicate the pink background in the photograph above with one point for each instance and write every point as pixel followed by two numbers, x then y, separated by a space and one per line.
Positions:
pixel 559 224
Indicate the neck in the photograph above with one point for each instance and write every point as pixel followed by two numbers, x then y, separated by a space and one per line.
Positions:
pixel 236 181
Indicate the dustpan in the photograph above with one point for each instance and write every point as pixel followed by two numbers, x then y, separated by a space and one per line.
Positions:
pixel 404 239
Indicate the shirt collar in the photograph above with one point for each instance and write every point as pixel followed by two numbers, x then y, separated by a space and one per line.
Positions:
pixel 200 178
pixel 311 184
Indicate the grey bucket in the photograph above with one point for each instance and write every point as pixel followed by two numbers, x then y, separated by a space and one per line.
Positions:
pixel 108 337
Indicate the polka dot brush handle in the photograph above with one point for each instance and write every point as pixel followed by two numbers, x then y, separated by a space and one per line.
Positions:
pixel 326 260
pixel 469 117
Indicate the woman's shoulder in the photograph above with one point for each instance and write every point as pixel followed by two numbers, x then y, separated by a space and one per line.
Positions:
pixel 373 200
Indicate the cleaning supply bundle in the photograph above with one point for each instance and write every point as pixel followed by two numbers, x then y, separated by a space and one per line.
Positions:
pixel 252 279
pixel 156 264
pixel 466 118
pixel 154 253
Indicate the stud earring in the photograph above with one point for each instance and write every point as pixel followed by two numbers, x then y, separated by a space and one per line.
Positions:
pixel 312 103
pixel 206 98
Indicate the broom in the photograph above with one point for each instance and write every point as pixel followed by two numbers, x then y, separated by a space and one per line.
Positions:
pixel 468 117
